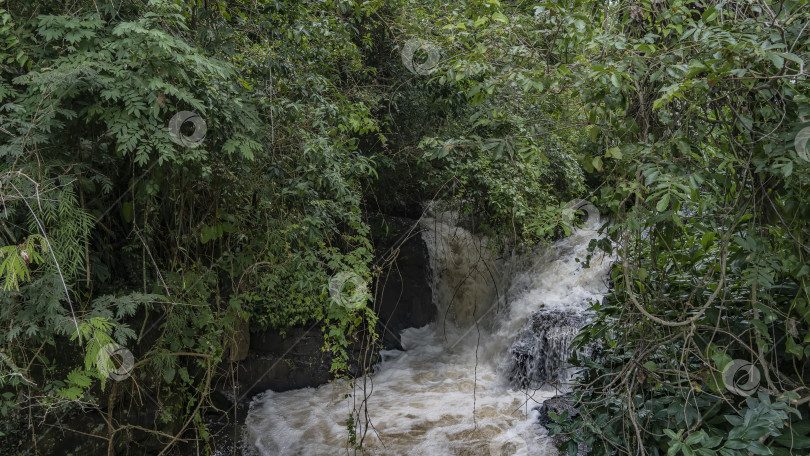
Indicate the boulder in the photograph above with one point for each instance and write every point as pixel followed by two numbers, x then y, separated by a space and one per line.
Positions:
pixel 403 295
pixel 281 363
pixel 558 405
pixel 403 299
pixel 540 351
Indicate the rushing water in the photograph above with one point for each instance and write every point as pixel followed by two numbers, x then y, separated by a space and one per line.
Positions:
pixel 503 324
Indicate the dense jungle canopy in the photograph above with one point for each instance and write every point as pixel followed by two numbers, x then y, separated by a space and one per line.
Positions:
pixel 686 122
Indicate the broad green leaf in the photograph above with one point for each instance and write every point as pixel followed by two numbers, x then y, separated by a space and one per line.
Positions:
pixel 793 348
pixel 614 152
pixel 597 163
pixel 663 203
pixel 498 16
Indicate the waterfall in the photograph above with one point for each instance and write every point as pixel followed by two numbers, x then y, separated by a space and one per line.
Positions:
pixel 461 386
pixel 465 273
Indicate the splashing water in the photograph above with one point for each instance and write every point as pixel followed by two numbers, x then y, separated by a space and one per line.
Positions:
pixel 502 325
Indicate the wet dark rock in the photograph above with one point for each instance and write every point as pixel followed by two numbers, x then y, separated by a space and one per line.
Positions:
pixel 540 351
pixel 284 362
pixel 558 405
pixel 403 293
pixel 403 299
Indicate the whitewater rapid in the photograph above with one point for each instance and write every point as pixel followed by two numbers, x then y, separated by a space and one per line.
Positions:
pixel 447 393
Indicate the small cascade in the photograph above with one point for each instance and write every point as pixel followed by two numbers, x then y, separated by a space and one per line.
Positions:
pixel 459 387
pixel 540 350
pixel 549 300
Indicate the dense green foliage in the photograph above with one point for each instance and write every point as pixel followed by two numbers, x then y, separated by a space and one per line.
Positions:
pixel 676 117
pixel 118 231
pixel 690 112
pixel 164 248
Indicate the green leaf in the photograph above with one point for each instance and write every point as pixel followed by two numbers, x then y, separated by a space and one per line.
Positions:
pixel 672 434
pixel 614 152
pixel 761 329
pixel 710 14
pixel 662 203
pixel 674 449
pixel 71 393
pixel 757 447
pixel 793 348
pixel 78 378
pixel 498 16
pixel 593 132
pixel 776 59
pixel 126 211
pixel 747 122
pixel 168 373
pixel 597 163
pixel 796 437
pixel 694 438
pixel 684 147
